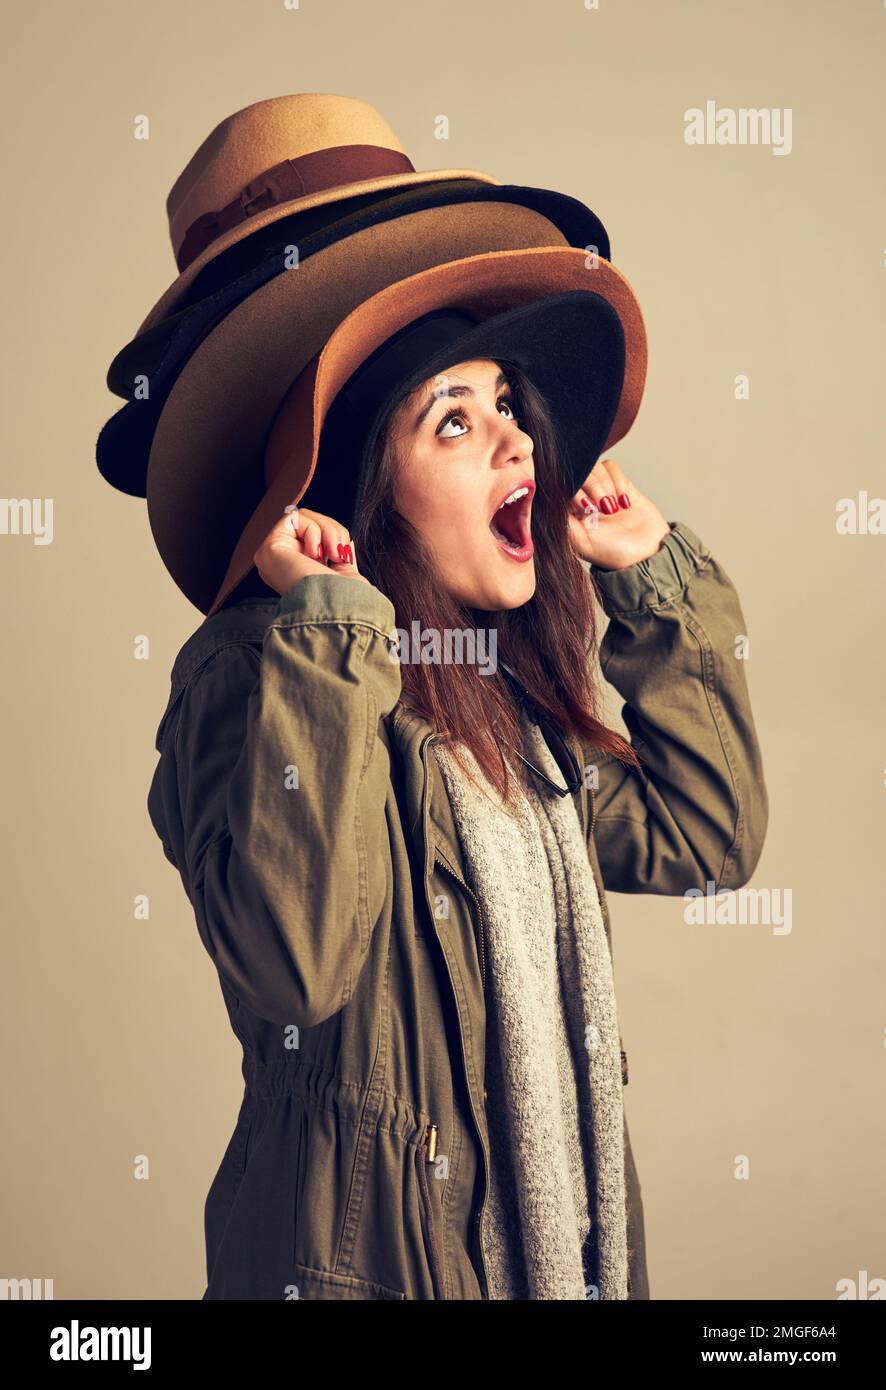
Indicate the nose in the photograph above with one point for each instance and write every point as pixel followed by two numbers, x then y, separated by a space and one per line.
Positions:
pixel 514 443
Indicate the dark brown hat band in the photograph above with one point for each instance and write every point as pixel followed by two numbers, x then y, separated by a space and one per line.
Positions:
pixel 288 180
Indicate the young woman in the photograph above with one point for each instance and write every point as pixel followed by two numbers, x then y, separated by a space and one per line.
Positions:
pixel 397 861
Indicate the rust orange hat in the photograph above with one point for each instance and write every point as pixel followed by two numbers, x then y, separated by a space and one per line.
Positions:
pixel 214 432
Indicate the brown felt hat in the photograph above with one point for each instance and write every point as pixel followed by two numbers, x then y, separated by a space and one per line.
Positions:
pixel 239 436
pixel 277 157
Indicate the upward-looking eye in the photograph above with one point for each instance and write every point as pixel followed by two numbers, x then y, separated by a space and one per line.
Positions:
pixel 459 413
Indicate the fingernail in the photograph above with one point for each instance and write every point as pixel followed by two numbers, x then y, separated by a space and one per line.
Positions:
pixel 344 554
pixel 586 503
pixel 623 499
pixel 608 505
pixel 319 552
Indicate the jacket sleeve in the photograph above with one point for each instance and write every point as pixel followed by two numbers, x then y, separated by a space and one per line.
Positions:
pixel 697 811
pixel 281 779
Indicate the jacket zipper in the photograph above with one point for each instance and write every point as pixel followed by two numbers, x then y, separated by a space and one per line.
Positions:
pixel 425 1154
pixel 481 952
pixel 478 1221
pixel 482 956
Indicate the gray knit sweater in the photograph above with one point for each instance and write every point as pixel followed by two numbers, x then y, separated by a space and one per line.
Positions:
pixel 555 1106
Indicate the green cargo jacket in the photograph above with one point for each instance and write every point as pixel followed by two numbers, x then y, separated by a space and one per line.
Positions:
pixel 299 803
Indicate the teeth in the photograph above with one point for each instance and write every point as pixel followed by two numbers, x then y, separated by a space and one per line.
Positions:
pixel 509 501
pixel 514 497
pixel 512 545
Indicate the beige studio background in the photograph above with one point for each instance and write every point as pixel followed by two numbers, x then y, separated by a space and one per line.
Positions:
pixel 742 1041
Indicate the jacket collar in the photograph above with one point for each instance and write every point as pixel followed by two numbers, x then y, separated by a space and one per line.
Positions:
pixel 427 804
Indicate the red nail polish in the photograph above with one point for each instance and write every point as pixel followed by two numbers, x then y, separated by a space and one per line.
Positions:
pixel 623 499
pixel 319 552
pixel 608 505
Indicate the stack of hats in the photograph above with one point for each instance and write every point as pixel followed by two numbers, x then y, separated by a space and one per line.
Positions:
pixel 317 268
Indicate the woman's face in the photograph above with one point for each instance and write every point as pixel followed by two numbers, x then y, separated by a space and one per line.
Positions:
pixel 460 454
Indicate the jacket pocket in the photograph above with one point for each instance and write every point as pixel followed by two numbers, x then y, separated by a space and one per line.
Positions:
pixel 237 1153
pixel 432 1231
pixel 321 1283
pixel 225 1186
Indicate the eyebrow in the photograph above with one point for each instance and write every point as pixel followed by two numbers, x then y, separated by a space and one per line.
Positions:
pixel 500 380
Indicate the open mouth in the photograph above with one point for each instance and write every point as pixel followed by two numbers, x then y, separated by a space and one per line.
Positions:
pixel 510 523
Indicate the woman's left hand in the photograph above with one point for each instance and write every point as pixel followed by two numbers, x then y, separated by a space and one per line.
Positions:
pixel 611 522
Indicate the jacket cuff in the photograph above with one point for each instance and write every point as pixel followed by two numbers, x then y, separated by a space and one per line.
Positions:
pixel 336 598
pixel 658 579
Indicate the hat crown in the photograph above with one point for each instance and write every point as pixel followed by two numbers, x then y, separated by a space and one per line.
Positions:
pixel 246 144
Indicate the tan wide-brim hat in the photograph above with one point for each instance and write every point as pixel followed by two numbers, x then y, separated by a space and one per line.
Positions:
pixel 277 157
pixel 239 437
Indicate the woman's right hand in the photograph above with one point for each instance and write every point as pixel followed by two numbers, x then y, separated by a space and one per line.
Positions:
pixel 301 543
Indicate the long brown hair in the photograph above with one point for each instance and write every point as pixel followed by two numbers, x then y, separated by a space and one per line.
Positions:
pixel 551 642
